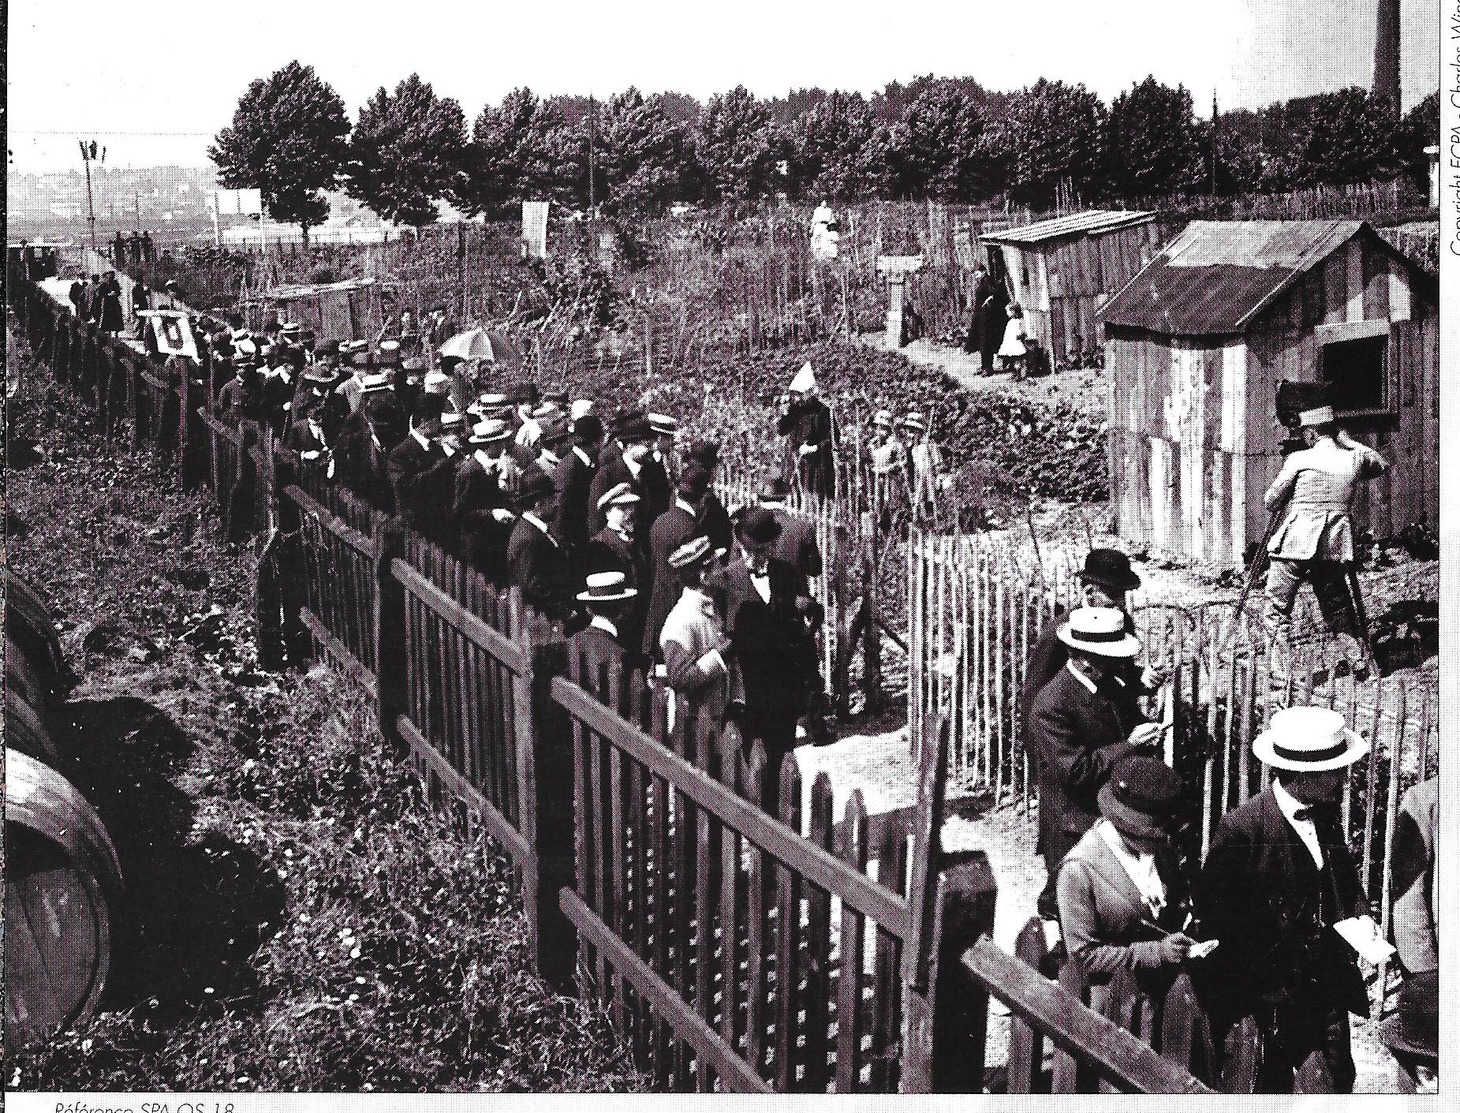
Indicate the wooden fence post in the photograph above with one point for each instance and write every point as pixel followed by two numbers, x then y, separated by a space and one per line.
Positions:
pixel 871 634
pixel 946 1024
pixel 545 771
pixel 390 634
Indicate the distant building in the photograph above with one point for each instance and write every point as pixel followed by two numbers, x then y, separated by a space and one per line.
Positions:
pixel 1433 154
pixel 1197 343
pixel 1061 271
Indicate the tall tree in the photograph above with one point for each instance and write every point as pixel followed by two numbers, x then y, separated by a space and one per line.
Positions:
pixel 1052 139
pixel 1153 142
pixel 838 150
pixel 638 154
pixel 937 148
pixel 407 152
pixel 288 141
pixel 735 146
pixel 1419 129
pixel 1337 138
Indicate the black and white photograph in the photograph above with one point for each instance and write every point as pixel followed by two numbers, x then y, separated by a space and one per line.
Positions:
pixel 603 549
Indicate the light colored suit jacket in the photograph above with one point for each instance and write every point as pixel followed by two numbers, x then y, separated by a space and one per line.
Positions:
pixel 1318 484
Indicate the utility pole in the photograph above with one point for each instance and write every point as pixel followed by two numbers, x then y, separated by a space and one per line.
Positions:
pixel 88 156
pixel 1214 142
pixel 592 195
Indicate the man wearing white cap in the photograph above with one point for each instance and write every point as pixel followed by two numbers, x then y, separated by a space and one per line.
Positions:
pixel 1280 892
pixel 888 458
pixel 614 549
pixel 807 423
pixel 1081 725
pixel 926 459
pixel 1316 539
pixel 693 640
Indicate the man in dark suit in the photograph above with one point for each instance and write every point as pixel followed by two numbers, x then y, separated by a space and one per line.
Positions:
pixel 807 424
pixel 574 480
pixel 614 548
pixel 364 445
pixel 714 518
pixel 797 545
pixel 1080 727
pixel 1278 877
pixel 671 530
pixel 419 469
pixel 771 621
pixel 537 563
pixel 1106 579
pixel 632 463
pixel 481 511
pixel 607 597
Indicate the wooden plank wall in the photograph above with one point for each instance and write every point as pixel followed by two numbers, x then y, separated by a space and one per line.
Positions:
pixel 1193 440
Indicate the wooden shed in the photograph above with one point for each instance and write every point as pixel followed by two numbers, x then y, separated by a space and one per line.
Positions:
pixel 1197 343
pixel 1061 271
pixel 348 310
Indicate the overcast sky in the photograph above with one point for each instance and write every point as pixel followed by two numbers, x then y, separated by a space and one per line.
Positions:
pixel 154 82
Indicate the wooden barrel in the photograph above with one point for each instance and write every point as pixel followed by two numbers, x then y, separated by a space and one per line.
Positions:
pixel 29 625
pixel 25 729
pixel 62 869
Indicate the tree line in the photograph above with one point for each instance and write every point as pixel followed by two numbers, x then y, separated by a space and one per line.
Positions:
pixel 946 139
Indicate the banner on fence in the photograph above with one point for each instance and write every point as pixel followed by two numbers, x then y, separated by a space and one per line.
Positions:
pixel 534 229
pixel 172 331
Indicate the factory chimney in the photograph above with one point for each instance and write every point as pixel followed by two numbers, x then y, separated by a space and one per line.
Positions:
pixel 1386 54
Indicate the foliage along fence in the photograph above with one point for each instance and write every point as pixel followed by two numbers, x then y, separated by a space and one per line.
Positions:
pixel 735 950
pixel 976 610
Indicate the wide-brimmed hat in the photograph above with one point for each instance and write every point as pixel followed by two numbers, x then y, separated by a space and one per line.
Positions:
pixel 437 382
pixel 1144 798
pixel 758 526
pixel 633 429
pixel 534 486
pixel 1308 740
pixel 606 587
pixel 1318 415
pixel 1110 568
pixel 695 551
pixel 316 375
pixel 1415 1030
pixel 1099 631
pixel 491 431
pixel 621 494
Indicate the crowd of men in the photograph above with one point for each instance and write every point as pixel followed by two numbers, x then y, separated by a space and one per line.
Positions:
pixel 607 524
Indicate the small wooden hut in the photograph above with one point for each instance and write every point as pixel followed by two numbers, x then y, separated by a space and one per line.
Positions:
pixel 1197 343
pixel 1061 271
pixel 348 310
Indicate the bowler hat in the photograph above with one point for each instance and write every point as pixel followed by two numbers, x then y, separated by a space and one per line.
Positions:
pixel 758 526
pixel 694 481
pixel 1110 568
pixel 634 429
pixel 533 487
pixel 1415 1031
pixel 705 453
pixel 1143 798
pixel 587 429
pixel 1308 739
pixel 1099 631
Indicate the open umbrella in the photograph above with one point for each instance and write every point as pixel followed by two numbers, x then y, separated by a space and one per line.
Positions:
pixel 482 344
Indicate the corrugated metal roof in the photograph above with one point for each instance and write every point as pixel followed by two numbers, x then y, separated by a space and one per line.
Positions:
pixel 1217 276
pixel 1087 223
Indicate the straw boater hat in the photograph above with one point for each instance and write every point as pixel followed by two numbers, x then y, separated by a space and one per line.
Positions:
pixel 490 431
pixel 1308 740
pixel 663 424
pixel 1319 415
pixel 580 408
pixel 620 495
pixel 883 420
pixel 437 382
pixel 694 551
pixel 546 412
pixel 606 587
pixel 914 420
pixel 451 421
pixel 804 381
pixel 1099 631
pixel 1144 798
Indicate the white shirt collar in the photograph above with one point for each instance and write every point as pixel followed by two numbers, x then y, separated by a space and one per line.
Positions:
pixel 1289 805
pixel 578 451
pixel 549 455
pixel 1139 867
pixel 601 623
pixel 634 466
pixel 1081 677
pixel 529 516
pixel 420 440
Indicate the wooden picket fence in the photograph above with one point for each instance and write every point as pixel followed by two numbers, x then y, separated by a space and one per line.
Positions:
pixel 735 950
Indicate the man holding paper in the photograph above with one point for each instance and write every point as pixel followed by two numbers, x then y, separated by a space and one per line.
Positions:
pixel 1281 892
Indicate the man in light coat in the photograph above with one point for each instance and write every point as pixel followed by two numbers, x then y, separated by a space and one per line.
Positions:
pixel 693 640
pixel 1315 541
